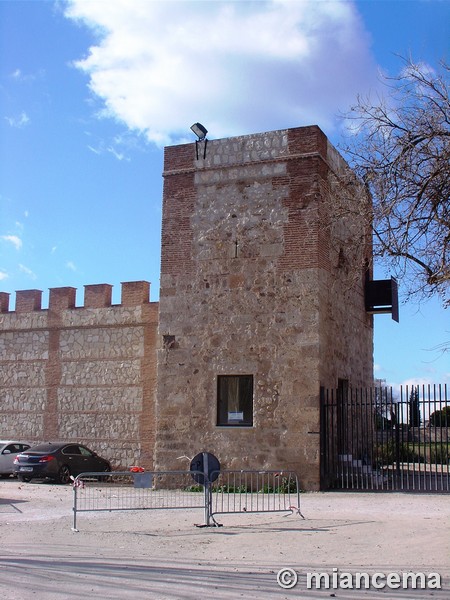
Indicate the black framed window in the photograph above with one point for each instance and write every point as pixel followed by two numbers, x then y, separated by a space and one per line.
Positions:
pixel 235 400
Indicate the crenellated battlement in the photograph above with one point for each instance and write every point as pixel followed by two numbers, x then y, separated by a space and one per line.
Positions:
pixel 133 293
pixel 85 373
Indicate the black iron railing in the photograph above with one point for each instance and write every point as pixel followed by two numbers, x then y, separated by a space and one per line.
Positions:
pixel 372 439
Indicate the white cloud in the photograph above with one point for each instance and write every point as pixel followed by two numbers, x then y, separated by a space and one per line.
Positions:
pixel 116 154
pixel 3 275
pixel 21 77
pixel 237 67
pixel 14 240
pixel 102 149
pixel 18 121
pixel 27 271
pixel 94 150
pixel 70 265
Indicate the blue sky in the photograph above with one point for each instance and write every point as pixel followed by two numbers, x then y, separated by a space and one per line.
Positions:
pixel 91 91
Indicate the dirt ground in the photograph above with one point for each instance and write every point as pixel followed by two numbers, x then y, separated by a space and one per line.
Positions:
pixel 161 554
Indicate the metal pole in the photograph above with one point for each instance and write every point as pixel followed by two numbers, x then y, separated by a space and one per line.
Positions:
pixel 74 528
pixel 397 446
pixel 206 487
pixel 208 500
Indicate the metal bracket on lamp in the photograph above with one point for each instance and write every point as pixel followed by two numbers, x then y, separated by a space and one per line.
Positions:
pixel 200 131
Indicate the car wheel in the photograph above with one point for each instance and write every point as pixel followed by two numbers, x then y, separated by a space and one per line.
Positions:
pixel 107 469
pixel 64 474
pixel 24 478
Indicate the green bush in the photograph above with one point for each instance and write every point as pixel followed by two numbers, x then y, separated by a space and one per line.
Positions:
pixel 386 454
pixel 283 486
pixel 232 489
pixel 441 418
pixel 194 488
pixel 440 454
pixel 286 485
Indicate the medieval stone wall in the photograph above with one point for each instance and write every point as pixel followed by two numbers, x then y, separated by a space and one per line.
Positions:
pixel 81 373
pixel 249 285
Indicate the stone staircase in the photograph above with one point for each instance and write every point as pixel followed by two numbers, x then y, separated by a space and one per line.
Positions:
pixel 355 473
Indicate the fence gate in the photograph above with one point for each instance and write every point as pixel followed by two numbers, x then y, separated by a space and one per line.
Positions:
pixel 371 440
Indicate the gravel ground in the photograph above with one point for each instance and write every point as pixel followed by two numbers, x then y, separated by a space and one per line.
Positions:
pixel 161 554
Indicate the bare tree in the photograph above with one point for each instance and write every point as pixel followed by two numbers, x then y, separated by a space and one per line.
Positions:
pixel 384 401
pixel 400 148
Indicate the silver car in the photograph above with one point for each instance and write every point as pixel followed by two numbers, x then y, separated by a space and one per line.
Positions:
pixel 9 449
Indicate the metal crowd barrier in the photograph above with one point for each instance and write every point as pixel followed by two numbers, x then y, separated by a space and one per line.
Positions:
pixel 254 491
pixel 123 490
pixel 221 492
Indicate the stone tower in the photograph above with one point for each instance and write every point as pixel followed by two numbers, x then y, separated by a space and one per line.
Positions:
pixel 255 314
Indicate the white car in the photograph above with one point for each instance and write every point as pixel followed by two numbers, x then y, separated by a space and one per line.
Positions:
pixel 9 449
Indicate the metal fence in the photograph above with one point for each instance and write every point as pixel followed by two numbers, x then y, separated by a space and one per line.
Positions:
pixel 255 491
pixel 374 440
pixel 231 492
pixel 123 490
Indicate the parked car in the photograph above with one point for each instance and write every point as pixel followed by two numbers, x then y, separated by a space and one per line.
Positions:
pixel 58 461
pixel 9 449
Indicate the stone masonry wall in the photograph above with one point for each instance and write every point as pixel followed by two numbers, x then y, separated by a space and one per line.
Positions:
pixel 248 287
pixel 85 374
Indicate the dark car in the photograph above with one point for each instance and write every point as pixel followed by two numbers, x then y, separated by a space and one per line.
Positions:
pixel 58 461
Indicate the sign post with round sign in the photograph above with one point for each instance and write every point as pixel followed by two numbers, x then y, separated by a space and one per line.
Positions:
pixel 205 468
